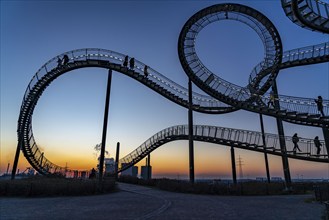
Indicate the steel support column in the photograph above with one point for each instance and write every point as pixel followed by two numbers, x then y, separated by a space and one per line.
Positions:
pixel 233 165
pixel 190 132
pixel 117 160
pixel 264 143
pixel 106 111
pixel 285 162
pixel 149 166
pixel 326 138
pixel 18 150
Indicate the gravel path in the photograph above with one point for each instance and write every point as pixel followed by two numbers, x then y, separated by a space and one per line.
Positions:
pixel 137 202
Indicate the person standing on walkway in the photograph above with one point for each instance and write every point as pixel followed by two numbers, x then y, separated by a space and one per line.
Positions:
pixel 125 62
pixel 319 103
pixel 145 71
pixel 317 144
pixel 65 59
pixel 132 63
pixel 295 140
pixel 271 100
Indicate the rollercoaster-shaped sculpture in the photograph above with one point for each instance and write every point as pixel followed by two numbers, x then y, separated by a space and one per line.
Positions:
pixel 223 96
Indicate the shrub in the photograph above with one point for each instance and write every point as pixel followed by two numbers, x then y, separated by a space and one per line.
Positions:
pixel 45 186
pixel 137 181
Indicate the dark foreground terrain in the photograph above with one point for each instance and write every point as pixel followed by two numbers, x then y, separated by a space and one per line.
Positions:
pixel 138 202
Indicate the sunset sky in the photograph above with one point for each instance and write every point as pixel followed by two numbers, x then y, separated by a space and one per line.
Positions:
pixel 68 120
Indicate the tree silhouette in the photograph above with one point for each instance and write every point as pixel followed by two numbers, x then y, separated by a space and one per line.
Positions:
pixel 98 148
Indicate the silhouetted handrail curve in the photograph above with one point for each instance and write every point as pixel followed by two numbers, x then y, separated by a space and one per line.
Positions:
pixel 244 139
pixel 293 109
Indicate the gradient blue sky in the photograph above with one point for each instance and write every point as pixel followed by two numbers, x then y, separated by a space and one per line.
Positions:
pixel 67 121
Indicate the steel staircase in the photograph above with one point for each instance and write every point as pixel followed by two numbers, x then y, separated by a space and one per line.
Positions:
pixel 223 96
pixel 310 14
pixel 155 81
pixel 244 139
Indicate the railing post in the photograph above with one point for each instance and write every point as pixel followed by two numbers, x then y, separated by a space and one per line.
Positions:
pixel 190 133
pixel 117 160
pixel 285 162
pixel 106 111
pixel 326 138
pixel 233 165
pixel 264 144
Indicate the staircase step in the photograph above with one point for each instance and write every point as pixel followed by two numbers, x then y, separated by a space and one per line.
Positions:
pixel 281 112
pixel 303 7
pixel 324 22
pixel 307 14
pixel 314 116
pixel 302 115
pixel 315 18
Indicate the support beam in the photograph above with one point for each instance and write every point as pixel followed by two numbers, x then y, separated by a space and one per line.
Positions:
pixel 149 166
pixel 285 162
pixel 233 165
pixel 190 132
pixel 264 144
pixel 326 138
pixel 117 160
pixel 106 111
pixel 18 150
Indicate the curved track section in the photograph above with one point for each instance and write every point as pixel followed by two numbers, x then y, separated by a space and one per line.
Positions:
pixel 293 109
pixel 159 83
pixel 262 76
pixel 244 139
pixel 310 14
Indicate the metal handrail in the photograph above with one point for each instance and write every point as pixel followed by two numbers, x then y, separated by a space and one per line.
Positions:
pixel 252 138
pixel 169 85
pixel 286 102
pixel 314 51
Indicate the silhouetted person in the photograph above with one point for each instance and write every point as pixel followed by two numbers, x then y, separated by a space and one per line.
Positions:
pixel 145 71
pixel 65 59
pixel 132 63
pixel 59 62
pixel 318 145
pixel 295 140
pixel 319 103
pixel 271 100
pixel 92 175
pixel 125 62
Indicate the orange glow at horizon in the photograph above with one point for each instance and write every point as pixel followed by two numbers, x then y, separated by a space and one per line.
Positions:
pixel 211 161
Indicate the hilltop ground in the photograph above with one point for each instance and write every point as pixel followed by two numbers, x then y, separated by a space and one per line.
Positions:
pixel 138 202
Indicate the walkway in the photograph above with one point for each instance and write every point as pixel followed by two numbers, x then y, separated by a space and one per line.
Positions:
pixel 138 202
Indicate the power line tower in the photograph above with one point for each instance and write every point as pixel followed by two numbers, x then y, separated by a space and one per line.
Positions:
pixel 240 164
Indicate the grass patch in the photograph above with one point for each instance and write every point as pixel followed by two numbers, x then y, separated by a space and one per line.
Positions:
pixel 48 186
